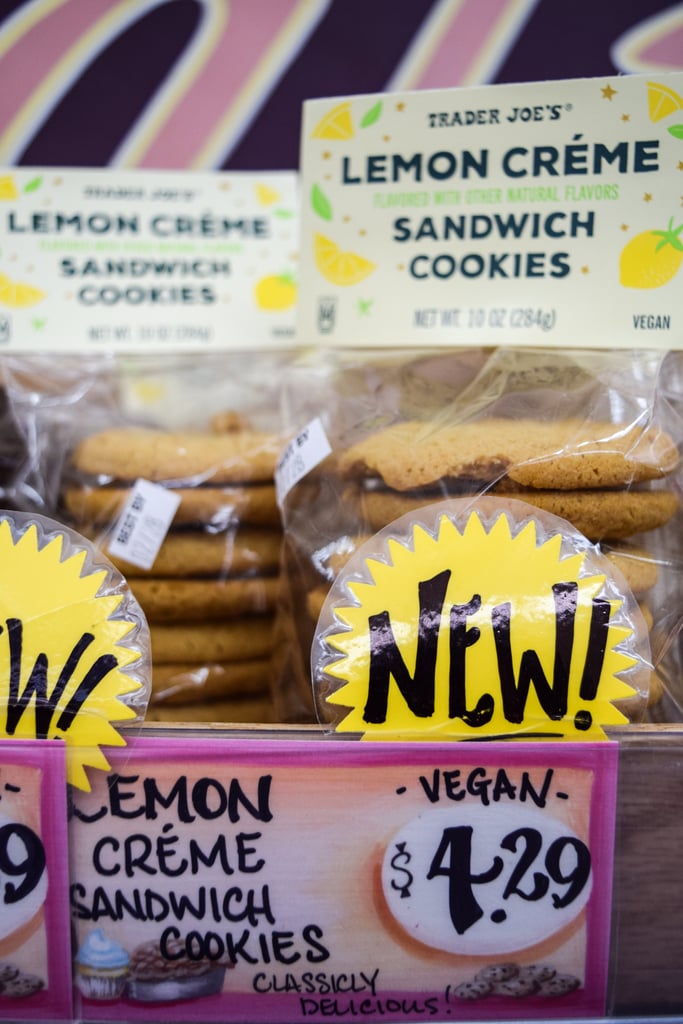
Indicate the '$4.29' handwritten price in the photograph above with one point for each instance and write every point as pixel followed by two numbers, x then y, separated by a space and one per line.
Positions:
pixel 529 868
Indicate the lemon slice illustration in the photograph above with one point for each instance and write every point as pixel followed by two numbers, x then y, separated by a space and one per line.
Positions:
pixel 342 268
pixel 662 101
pixel 8 190
pixel 266 195
pixel 18 295
pixel 336 124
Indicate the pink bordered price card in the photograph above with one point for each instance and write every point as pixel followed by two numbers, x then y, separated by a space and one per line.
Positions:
pixel 35 968
pixel 287 879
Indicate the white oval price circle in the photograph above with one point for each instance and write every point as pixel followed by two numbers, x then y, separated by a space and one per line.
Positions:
pixel 23 876
pixel 485 880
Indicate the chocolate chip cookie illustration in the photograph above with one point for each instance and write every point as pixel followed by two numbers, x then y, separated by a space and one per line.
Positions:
pixel 495 973
pixel 558 985
pixel 515 987
pixel 472 989
pixel 21 986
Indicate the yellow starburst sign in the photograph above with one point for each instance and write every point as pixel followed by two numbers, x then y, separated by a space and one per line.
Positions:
pixel 63 649
pixel 491 629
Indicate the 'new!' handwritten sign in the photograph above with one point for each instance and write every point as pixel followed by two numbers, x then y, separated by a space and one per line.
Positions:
pixel 485 629
pixel 62 653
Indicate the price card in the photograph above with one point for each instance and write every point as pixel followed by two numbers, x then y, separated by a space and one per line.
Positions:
pixel 35 969
pixel 288 880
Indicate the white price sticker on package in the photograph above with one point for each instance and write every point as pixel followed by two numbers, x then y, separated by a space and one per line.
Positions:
pixel 302 454
pixel 143 524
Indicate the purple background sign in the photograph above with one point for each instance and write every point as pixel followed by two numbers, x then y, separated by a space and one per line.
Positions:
pixel 209 84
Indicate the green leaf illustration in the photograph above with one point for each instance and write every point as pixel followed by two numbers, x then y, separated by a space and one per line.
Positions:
pixel 321 203
pixel 33 185
pixel 372 115
pixel 676 130
pixel 283 214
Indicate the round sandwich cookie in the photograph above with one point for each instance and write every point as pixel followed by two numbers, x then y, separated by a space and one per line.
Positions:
pixel 230 710
pixel 204 642
pixel 217 507
pixel 127 453
pixel 194 553
pixel 180 682
pixel 598 514
pixel 171 600
pixel 567 454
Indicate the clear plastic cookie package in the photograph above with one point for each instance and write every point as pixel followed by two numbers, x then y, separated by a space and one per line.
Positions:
pixel 590 436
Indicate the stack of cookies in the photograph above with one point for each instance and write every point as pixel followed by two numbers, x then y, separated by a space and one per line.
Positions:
pixel 594 474
pixel 210 594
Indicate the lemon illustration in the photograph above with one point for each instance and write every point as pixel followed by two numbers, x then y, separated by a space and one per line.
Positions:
pixel 662 101
pixel 8 190
pixel 336 124
pixel 266 195
pixel 275 292
pixel 342 268
pixel 651 258
pixel 18 295
pixel 149 392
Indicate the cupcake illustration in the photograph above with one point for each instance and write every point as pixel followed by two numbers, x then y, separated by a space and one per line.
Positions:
pixel 101 967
